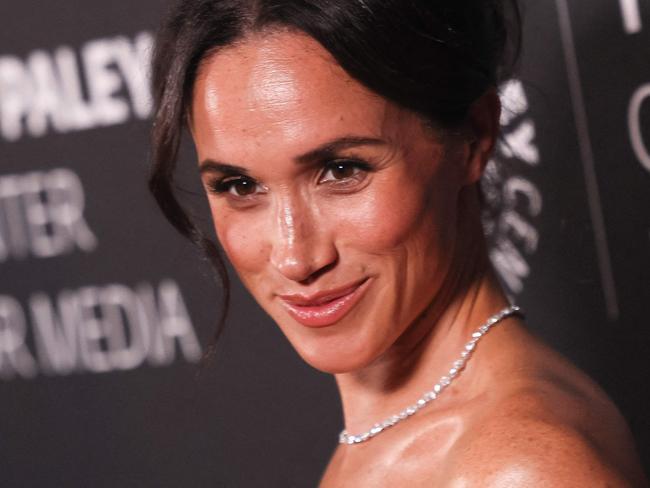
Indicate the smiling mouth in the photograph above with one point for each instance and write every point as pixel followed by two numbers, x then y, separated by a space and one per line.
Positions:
pixel 324 308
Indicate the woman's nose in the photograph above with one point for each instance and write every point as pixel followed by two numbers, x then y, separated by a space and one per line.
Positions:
pixel 301 246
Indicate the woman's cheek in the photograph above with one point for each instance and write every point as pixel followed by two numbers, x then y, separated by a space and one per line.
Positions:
pixel 241 236
pixel 383 219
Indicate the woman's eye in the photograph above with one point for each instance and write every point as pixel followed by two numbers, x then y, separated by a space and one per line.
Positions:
pixel 341 170
pixel 238 187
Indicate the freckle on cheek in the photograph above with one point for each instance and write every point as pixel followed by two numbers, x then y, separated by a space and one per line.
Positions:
pixel 241 247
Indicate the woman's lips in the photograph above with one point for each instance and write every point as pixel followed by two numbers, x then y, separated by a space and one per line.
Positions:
pixel 324 308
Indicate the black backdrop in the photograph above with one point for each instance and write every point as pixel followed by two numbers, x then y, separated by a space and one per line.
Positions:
pixel 104 310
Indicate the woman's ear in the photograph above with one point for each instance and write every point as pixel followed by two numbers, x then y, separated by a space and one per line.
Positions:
pixel 483 131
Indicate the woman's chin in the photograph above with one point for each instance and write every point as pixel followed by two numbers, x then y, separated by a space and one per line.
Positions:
pixel 332 365
pixel 343 347
pixel 335 359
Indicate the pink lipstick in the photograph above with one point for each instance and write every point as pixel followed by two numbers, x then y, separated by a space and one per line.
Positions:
pixel 326 307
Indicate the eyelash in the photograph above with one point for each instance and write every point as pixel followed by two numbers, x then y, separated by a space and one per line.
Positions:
pixel 226 184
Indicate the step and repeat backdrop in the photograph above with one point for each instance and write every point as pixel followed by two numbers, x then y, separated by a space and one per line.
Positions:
pixel 105 311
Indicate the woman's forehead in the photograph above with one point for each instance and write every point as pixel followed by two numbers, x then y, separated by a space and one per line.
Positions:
pixel 281 85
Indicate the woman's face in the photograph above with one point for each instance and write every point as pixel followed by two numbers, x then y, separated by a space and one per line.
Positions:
pixel 337 209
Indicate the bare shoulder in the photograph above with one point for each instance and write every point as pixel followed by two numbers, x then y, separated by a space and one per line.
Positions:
pixel 542 455
pixel 554 428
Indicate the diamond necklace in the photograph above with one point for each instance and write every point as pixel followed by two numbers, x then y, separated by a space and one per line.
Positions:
pixel 458 365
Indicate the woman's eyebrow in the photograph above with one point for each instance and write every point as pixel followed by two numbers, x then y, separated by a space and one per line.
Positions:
pixel 331 148
pixel 327 150
pixel 210 165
